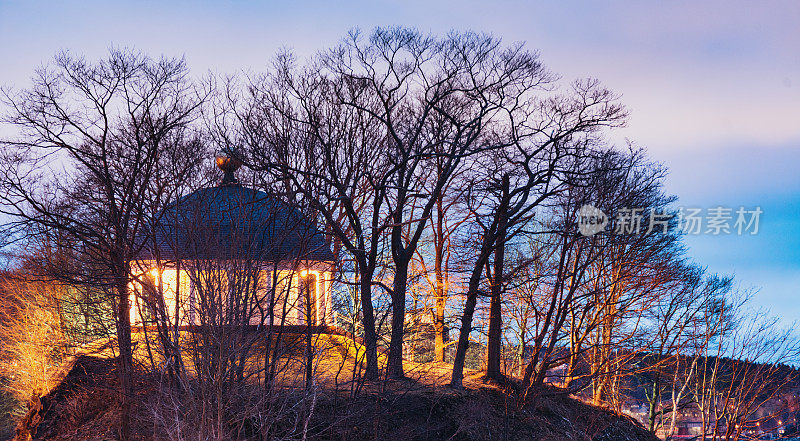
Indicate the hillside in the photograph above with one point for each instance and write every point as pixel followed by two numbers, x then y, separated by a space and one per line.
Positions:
pixel 85 406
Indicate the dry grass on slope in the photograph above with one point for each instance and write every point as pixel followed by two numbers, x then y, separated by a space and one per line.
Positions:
pixel 85 406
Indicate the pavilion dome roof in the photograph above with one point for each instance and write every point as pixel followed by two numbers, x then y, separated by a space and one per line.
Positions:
pixel 231 221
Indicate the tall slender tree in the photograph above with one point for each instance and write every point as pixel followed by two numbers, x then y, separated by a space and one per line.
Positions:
pixel 87 142
pixel 548 145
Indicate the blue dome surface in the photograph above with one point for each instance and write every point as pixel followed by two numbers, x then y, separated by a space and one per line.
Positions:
pixel 234 222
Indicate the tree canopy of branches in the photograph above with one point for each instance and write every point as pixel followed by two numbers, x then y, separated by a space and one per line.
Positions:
pixel 458 160
pixel 95 149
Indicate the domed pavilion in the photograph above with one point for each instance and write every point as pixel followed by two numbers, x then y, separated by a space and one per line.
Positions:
pixel 232 255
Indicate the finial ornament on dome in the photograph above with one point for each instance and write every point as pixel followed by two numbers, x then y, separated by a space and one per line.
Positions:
pixel 228 163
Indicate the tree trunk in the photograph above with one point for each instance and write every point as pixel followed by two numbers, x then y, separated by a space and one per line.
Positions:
pixel 494 341
pixel 438 324
pixel 654 399
pixel 463 337
pixel 309 334
pixel 125 360
pixel 599 385
pixel 493 345
pixel 370 337
pixel 439 294
pixel 394 364
pixel 469 310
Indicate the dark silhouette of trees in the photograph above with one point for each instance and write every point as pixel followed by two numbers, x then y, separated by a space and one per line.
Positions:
pixel 454 166
pixel 556 136
pixel 89 149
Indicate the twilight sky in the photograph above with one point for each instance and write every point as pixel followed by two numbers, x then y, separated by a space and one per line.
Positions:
pixel 713 87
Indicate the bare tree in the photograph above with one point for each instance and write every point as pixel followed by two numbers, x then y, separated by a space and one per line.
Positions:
pixel 373 119
pixel 309 145
pixel 743 367
pixel 87 141
pixel 675 329
pixel 436 101
pixel 590 309
pixel 441 245
pixel 548 144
